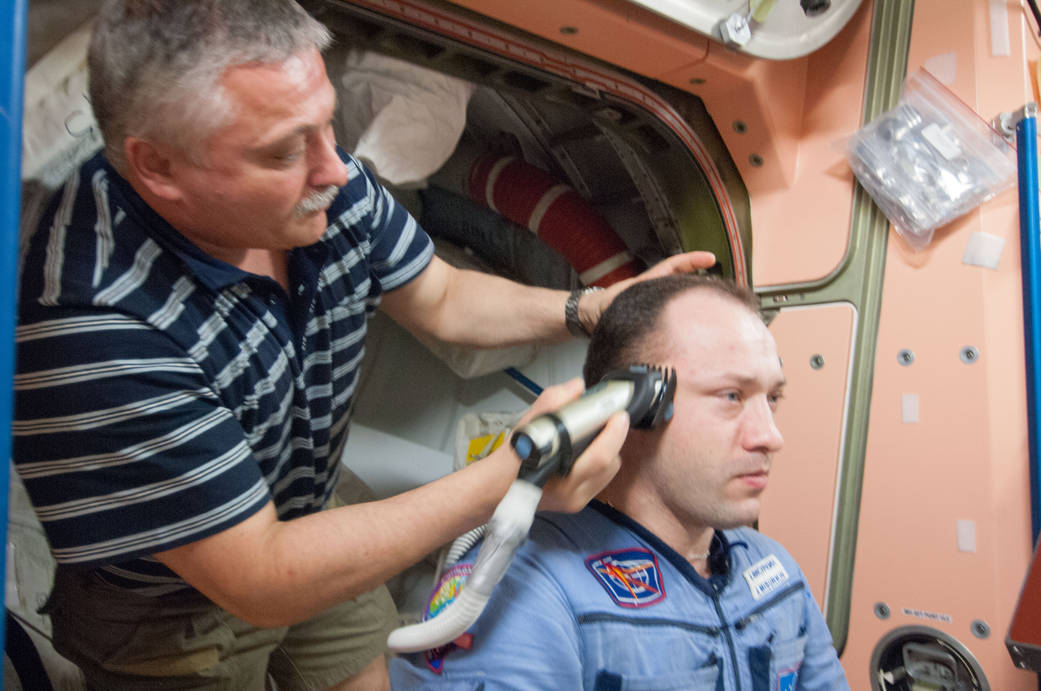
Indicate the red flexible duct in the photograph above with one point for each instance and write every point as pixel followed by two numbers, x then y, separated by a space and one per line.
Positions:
pixel 557 214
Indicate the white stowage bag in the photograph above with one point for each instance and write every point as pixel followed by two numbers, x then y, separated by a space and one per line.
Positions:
pixel 404 121
pixel 470 362
pixel 58 131
pixel 58 128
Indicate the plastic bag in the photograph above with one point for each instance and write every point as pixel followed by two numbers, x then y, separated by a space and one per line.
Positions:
pixel 478 434
pixel 929 160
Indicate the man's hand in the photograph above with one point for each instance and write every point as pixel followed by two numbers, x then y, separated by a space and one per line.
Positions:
pixel 591 472
pixel 594 468
pixel 591 306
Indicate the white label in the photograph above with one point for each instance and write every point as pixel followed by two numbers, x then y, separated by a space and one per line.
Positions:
pixel 983 249
pixel 966 536
pixel 909 408
pixel 931 616
pixel 765 576
pixel 999 34
pixel 942 140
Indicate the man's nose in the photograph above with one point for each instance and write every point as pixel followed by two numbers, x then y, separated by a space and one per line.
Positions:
pixel 760 432
pixel 326 166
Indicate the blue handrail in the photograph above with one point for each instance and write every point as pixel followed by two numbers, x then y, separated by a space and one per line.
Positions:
pixel 12 95
pixel 1030 256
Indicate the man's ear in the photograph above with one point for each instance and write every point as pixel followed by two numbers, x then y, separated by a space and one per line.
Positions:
pixel 153 166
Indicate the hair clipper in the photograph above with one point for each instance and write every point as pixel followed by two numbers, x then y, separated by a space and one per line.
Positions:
pixel 551 441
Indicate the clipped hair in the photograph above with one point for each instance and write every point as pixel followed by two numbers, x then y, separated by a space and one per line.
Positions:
pixel 629 328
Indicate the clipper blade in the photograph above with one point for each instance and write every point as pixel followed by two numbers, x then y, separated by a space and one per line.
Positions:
pixel 663 390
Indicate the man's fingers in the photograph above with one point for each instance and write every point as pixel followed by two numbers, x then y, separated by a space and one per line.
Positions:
pixel 609 441
pixel 553 398
pixel 681 264
pixel 591 472
pixel 676 264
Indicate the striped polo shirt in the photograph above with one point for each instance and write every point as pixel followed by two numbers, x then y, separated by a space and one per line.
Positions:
pixel 162 396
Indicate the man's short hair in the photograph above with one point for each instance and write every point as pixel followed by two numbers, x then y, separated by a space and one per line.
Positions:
pixel 155 65
pixel 628 332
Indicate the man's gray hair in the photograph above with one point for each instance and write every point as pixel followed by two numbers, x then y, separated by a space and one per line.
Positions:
pixel 156 65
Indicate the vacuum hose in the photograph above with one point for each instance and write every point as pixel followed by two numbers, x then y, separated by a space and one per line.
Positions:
pixel 546 445
pixel 507 529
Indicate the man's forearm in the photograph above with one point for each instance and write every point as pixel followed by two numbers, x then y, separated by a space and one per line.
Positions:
pixel 275 573
pixel 476 309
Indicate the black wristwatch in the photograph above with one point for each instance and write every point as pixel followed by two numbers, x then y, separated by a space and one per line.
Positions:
pixel 574 324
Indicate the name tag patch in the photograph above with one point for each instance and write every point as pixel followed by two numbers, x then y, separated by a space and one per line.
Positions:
pixel 630 576
pixel 765 576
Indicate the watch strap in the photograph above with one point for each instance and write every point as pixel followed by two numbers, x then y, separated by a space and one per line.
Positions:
pixel 574 324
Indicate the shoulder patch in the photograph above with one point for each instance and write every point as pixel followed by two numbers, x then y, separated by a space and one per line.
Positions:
pixel 445 592
pixel 765 576
pixel 630 576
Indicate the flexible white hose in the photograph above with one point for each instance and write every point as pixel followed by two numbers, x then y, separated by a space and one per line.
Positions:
pixel 507 529
pixel 462 544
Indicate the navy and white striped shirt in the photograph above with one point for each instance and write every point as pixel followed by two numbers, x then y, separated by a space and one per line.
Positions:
pixel 162 396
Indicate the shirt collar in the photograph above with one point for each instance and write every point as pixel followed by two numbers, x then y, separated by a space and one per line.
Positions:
pixel 211 272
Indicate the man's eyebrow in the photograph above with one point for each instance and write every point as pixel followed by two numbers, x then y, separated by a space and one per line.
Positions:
pixel 301 131
pixel 283 138
pixel 746 381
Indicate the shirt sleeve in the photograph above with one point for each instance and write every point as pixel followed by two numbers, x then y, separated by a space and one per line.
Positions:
pixel 122 446
pixel 820 668
pixel 369 224
pixel 526 638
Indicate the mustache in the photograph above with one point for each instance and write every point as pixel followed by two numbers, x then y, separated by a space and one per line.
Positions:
pixel 317 200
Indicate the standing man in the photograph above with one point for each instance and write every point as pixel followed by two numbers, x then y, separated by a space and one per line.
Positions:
pixel 660 584
pixel 191 319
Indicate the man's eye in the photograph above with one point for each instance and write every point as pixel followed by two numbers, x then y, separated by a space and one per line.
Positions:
pixel 734 396
pixel 775 399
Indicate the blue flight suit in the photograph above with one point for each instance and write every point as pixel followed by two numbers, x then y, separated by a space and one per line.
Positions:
pixel 595 601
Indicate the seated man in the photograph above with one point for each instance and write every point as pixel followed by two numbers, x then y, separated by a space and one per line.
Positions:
pixel 660 584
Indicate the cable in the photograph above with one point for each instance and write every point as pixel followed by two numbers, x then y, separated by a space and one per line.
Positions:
pixel 523 380
pixel 1032 5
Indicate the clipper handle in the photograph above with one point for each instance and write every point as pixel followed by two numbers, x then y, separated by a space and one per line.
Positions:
pixel 551 441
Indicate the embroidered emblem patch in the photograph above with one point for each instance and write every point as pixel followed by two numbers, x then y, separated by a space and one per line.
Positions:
pixel 765 576
pixel 446 591
pixel 630 576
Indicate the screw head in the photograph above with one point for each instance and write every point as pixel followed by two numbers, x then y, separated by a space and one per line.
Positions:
pixel 980 628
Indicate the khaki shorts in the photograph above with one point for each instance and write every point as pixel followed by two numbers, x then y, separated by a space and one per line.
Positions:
pixel 183 641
